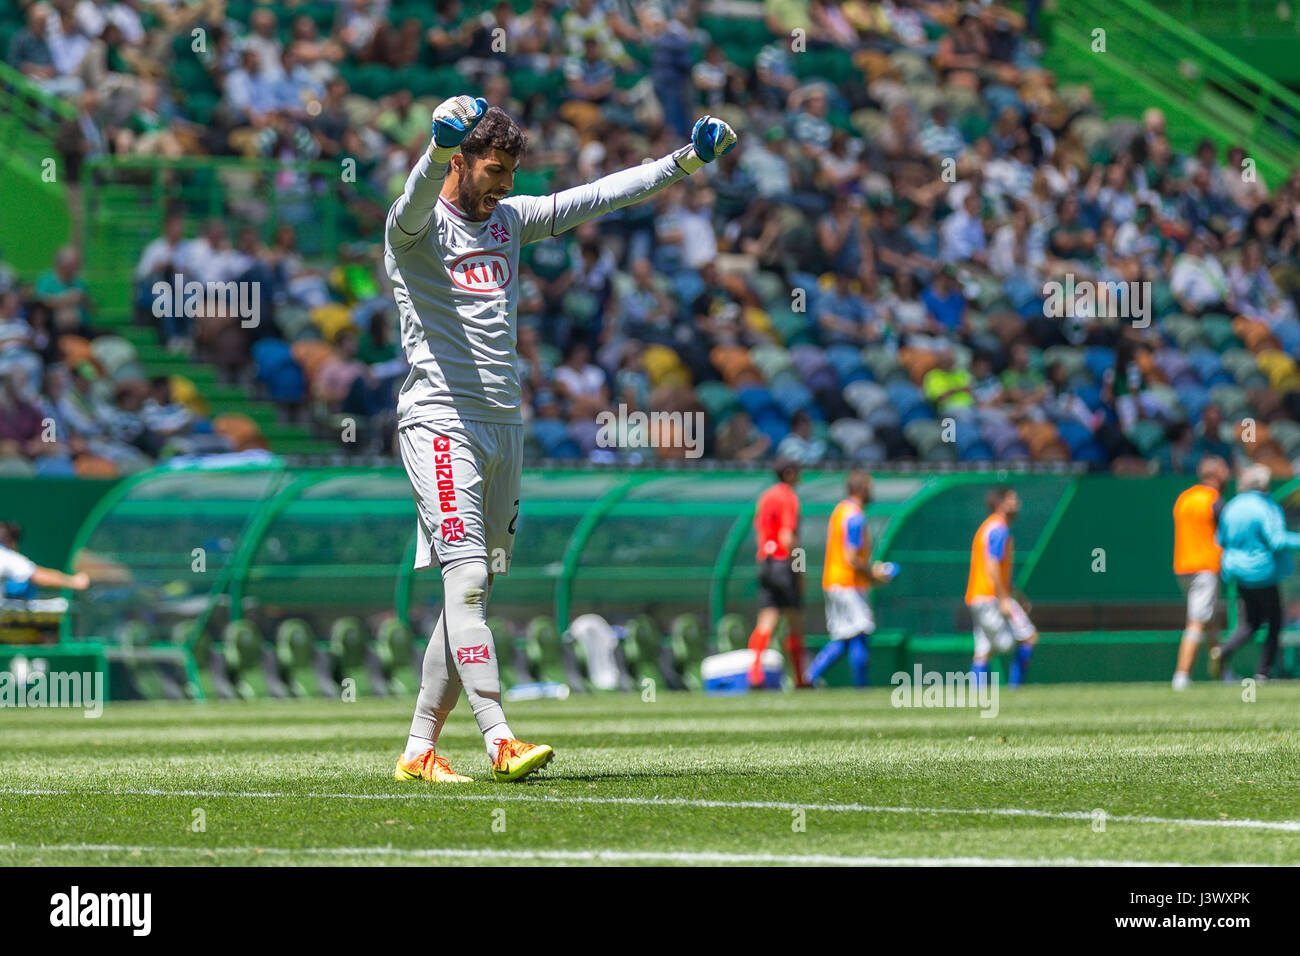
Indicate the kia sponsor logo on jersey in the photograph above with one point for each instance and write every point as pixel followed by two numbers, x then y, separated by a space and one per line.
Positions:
pixel 481 272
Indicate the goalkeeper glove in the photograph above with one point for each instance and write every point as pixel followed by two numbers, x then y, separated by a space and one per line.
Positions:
pixel 710 139
pixel 454 119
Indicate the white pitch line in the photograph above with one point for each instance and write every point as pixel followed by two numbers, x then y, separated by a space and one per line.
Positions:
pixel 590 856
pixel 1286 826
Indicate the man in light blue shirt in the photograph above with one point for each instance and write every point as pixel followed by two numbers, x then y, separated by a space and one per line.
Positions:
pixel 1256 556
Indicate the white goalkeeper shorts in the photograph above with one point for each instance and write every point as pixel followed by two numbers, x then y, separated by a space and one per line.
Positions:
pixel 996 634
pixel 847 613
pixel 465 476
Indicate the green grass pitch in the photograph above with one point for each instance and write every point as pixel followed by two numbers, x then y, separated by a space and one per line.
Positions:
pixel 809 777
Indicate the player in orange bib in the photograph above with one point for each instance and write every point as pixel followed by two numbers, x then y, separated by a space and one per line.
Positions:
pixel 780 586
pixel 847 578
pixel 1196 560
pixel 999 619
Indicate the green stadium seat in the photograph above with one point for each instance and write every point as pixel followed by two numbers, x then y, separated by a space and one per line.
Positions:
pixel 747 31
pixel 731 634
pixel 542 644
pixel 510 656
pixel 925 95
pixel 717 399
pixel 394 643
pixel 214 681
pixel 241 10
pixel 322 14
pixel 14 466
pixel 974 127
pixel 295 652
pixel 114 354
pixel 790 326
pixel 131 636
pixel 785 378
pixel 642 648
pixel 771 359
pixel 242 651
pixel 1287 434
pixel 1240 363
pixel 1070 356
pixel 347 654
pixel 1165 396
pixel 1232 401
pixel 1162 299
pixel 883 365
pixel 1185 331
pixel 423 12
pixel 1218 330
pixel 686 642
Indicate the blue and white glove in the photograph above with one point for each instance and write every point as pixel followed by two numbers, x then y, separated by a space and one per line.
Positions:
pixel 454 119
pixel 710 139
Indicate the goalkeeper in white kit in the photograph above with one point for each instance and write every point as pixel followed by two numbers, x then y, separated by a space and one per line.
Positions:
pixel 451 247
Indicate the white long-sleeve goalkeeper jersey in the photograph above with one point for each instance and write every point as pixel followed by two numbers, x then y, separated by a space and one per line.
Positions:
pixel 456 282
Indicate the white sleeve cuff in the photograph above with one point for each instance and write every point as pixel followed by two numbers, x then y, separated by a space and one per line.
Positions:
pixel 688 159
pixel 441 155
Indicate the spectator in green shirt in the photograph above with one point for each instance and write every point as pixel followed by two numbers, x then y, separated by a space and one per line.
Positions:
pixel 947 387
pixel 63 291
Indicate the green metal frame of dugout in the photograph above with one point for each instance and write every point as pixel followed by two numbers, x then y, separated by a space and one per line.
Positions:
pixel 224 539
pixel 206 547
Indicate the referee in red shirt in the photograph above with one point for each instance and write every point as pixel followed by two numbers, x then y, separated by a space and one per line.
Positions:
pixel 780 587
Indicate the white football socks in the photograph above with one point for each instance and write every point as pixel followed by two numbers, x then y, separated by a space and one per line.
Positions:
pixel 494 733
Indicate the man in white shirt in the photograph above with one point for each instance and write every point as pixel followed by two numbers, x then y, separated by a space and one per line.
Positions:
pixel 1198 280
pixel 67 44
pixel 210 257
pixel 164 252
pixel 963 232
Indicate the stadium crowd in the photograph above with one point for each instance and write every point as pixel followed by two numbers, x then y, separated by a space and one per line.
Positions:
pixel 862 279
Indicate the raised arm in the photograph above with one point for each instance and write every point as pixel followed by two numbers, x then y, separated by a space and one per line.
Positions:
pixel 544 216
pixel 453 120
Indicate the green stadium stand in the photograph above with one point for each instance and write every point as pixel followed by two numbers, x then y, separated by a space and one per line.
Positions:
pixel 1153 59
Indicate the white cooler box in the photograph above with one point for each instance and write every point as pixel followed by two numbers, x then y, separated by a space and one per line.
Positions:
pixel 729 673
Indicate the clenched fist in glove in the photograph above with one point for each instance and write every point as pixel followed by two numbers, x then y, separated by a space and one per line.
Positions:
pixel 454 119
pixel 710 139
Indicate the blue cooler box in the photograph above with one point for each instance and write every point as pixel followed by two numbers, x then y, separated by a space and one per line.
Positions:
pixel 729 673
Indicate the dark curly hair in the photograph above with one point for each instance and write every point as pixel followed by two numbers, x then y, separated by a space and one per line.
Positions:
pixel 496 130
